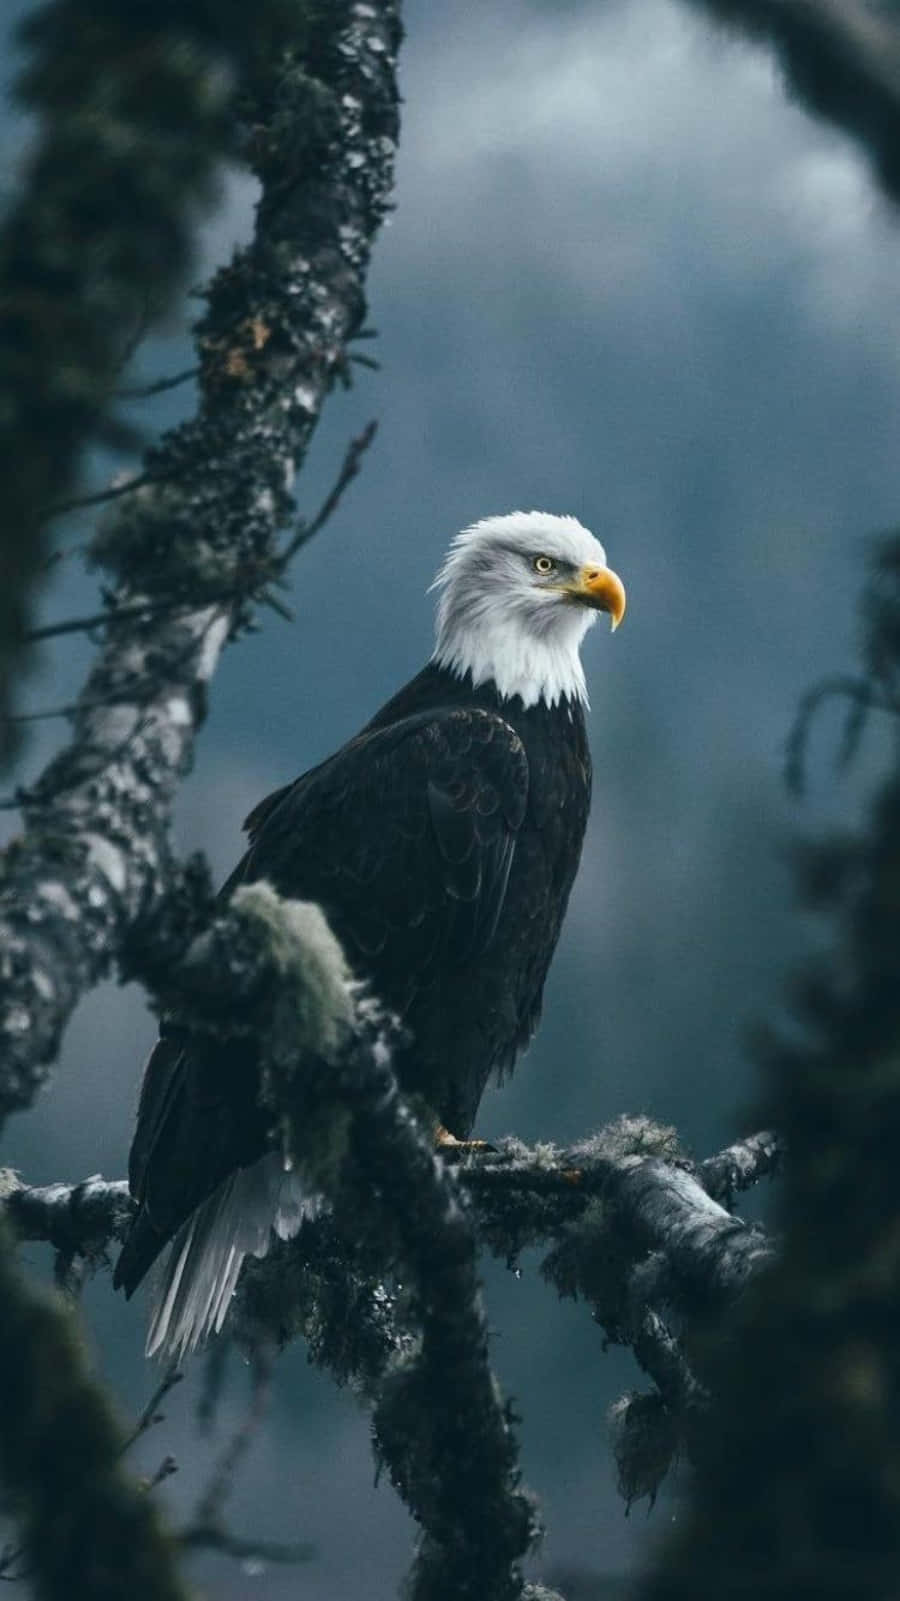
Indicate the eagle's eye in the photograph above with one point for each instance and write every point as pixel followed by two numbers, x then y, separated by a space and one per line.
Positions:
pixel 544 565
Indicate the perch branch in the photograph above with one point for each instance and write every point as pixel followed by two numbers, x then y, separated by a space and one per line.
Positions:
pixel 74 1218
pixel 519 1195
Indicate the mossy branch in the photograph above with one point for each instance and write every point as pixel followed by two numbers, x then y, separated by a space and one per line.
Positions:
pixel 440 1426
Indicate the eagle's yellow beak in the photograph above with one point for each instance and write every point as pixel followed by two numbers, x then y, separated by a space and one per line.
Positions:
pixel 602 589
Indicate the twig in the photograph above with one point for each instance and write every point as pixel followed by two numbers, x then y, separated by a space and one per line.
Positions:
pixel 113 614
pixel 862 697
pixel 151 1414
pixel 142 325
pixel 158 387
pixel 210 1537
pixel 98 498
pixel 215 1364
pixel 166 1468
pixel 211 1504
pixel 349 469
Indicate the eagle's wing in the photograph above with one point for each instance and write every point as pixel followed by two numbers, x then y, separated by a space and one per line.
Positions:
pixel 406 838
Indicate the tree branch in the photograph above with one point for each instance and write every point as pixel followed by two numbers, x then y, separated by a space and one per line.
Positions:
pixel 520 1195
pixel 95 856
pixel 742 1165
pixel 326 1074
pixel 74 1218
pixel 158 386
pixel 633 1230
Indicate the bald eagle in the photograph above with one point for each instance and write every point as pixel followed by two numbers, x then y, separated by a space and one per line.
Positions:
pixel 441 842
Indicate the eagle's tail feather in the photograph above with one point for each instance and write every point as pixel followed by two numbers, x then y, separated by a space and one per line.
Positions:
pixel 205 1258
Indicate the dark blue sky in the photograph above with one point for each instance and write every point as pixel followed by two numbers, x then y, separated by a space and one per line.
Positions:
pixel 625 279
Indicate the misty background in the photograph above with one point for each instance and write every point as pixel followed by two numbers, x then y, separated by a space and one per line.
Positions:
pixel 626 279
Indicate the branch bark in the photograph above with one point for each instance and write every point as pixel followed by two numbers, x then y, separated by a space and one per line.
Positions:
pixel 519 1195
pixel 632 1229
pixel 95 854
pixel 440 1426
pixel 80 1219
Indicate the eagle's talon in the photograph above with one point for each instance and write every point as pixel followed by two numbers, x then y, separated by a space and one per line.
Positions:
pixel 453 1150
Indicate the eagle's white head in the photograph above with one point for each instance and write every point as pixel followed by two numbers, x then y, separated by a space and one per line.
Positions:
pixel 517 596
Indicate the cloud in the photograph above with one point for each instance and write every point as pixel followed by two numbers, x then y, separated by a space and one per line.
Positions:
pixel 612 146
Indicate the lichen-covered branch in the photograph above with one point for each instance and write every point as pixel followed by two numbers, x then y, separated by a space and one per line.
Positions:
pixel 628 1218
pixel 841 58
pixel 631 1187
pixel 94 859
pixel 88 1531
pixel 440 1426
pixel 519 1195
pixel 81 1219
pixel 637 1235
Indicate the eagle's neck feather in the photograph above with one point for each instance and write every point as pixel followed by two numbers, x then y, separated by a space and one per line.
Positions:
pixel 517 661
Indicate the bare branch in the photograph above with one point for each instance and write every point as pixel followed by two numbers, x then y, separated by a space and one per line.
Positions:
pixel 211 1537
pixel 158 387
pixel 349 469
pixel 211 1505
pixel 861 695
pixel 117 614
pixel 151 1414
pixel 98 497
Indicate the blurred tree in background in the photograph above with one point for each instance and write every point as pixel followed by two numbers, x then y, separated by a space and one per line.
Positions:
pixel 778 1380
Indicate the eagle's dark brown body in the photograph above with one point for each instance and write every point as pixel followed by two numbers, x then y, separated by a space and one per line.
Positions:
pixel 442 843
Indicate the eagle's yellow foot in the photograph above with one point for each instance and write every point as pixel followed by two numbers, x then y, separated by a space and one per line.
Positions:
pixel 452 1149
